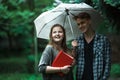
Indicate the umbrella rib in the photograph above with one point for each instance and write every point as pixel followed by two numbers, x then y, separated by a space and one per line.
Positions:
pixel 84 9
pixel 71 27
pixel 64 21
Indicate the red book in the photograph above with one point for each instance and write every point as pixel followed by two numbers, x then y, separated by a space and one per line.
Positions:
pixel 61 60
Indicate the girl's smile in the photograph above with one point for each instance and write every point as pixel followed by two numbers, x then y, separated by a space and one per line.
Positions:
pixel 57 34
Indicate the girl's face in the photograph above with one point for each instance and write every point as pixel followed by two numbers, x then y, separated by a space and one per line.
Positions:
pixel 57 34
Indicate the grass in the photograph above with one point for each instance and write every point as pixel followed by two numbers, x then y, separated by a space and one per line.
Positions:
pixel 28 76
pixel 13 75
pixel 20 76
pixel 14 59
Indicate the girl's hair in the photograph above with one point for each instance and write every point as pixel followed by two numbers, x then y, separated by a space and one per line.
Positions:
pixel 63 44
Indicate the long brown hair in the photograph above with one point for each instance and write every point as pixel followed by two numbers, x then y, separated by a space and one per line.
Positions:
pixel 63 44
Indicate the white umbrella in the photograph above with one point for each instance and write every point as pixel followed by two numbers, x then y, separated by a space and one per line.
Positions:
pixel 63 14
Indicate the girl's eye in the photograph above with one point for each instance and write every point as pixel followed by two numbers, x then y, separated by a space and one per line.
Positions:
pixel 60 31
pixel 54 31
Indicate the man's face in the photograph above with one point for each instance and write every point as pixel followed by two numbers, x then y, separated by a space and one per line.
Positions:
pixel 83 24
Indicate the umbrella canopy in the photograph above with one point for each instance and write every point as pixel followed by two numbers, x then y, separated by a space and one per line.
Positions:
pixel 63 14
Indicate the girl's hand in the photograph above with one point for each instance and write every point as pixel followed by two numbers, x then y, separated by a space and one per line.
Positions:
pixel 65 69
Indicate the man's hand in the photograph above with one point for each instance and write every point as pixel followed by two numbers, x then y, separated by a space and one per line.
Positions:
pixel 74 43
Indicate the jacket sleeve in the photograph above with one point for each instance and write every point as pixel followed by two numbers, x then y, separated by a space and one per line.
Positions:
pixel 107 60
pixel 45 59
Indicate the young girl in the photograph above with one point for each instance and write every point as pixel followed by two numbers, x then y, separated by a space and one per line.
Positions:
pixel 57 42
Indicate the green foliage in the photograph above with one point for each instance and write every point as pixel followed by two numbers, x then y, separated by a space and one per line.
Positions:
pixel 106 28
pixel 110 11
pixel 113 3
pixel 43 5
pixel 19 22
pixel 16 24
pixel 31 58
pixel 47 8
pixel 115 70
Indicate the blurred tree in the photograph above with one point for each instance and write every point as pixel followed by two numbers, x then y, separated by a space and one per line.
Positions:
pixel 17 28
pixel 110 9
pixel 15 24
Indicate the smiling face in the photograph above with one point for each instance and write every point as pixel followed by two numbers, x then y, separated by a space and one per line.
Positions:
pixel 83 24
pixel 83 20
pixel 57 34
pixel 58 37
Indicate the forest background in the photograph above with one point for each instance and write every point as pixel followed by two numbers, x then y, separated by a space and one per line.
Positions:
pixel 20 50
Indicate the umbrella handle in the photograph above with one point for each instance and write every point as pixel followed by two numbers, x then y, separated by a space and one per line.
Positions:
pixel 71 26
